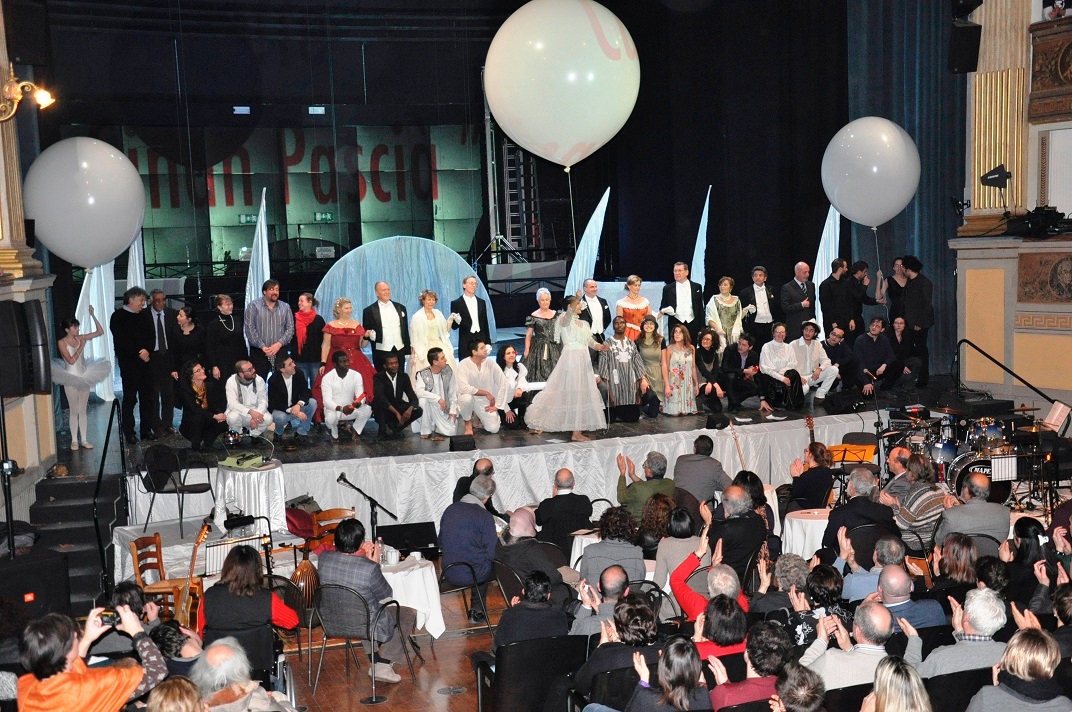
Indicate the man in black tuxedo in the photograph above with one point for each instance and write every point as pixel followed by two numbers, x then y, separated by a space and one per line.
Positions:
pixel 563 513
pixel 836 298
pixel 165 326
pixel 472 322
pixel 395 404
pixel 798 299
pixel 759 305
pixel 858 511
pixel 133 339
pixel 390 326
pixel 685 297
pixel 290 400
pixel 595 311
pixel 739 371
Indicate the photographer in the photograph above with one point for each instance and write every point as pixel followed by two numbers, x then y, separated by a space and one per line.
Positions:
pixel 52 649
pixel 114 643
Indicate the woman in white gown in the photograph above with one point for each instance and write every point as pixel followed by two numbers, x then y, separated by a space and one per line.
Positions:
pixel 428 329
pixel 570 400
pixel 76 376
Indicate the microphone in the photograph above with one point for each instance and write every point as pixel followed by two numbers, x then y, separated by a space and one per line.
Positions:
pixel 873 376
pixel 238 521
pixel 342 478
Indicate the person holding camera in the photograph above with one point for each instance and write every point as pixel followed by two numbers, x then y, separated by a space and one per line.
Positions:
pixel 52 649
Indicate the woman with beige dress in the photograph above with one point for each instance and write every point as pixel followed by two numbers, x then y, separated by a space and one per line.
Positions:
pixel 650 346
pixel 428 329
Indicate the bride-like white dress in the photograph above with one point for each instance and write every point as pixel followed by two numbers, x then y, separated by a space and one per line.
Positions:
pixel 570 401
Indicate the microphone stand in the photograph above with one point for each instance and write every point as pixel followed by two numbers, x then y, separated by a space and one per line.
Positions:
pixel 878 422
pixel 373 504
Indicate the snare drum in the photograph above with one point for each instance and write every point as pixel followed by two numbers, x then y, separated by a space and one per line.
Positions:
pixel 970 462
pixel 920 444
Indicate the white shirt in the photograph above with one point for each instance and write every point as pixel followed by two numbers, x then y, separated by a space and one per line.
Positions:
pixel 683 311
pixel 487 377
pixel 596 310
pixel 341 391
pixel 287 380
pixel 391 338
pixel 241 397
pixel 515 379
pixel 810 357
pixel 763 313
pixel 394 386
pixel 775 359
pixel 438 393
pixel 474 312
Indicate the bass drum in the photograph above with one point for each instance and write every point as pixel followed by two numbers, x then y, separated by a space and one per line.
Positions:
pixel 964 465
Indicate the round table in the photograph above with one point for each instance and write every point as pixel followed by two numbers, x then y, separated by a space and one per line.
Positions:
pixel 414 585
pixel 802 533
pixel 258 491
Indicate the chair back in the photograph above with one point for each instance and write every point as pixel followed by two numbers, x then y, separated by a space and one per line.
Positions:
pixel 953 692
pixel 508 580
pixel 614 688
pixel 863 538
pixel 684 498
pixel 342 612
pixel 665 606
pixel 161 463
pixel 291 595
pixel 931 638
pixel 325 521
pixel 554 555
pixel 986 544
pixel 751 581
pixel 757 706
pixel 697 581
pixel 735 666
pixel 524 671
pixel 849 698
pixel 595 515
pixel 147 554
pixel 859 437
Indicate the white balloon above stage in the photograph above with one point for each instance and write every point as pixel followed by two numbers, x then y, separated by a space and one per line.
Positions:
pixel 562 77
pixel 870 170
pixel 86 199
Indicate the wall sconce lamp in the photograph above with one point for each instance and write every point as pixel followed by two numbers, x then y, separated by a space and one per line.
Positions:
pixel 13 92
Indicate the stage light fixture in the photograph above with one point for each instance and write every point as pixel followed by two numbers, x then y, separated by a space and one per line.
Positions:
pixel 996 177
pixel 13 92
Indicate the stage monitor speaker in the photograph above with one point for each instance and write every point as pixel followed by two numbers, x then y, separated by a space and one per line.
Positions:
pixel 39 350
pixel 976 408
pixel 419 536
pixel 846 401
pixel 462 443
pixel 16 376
pixel 964 39
pixel 36 584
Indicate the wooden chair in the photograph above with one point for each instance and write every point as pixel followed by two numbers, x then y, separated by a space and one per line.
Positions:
pixel 324 523
pixel 146 553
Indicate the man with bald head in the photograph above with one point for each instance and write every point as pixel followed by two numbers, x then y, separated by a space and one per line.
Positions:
pixel 387 326
pixel 895 591
pixel 897 465
pixel 598 606
pixel 846 664
pixel 563 513
pixel 972 513
pixel 483 466
pixel 798 299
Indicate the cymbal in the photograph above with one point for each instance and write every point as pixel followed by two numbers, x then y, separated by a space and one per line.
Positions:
pixel 892 433
pixel 1023 409
pixel 1028 429
pixel 947 411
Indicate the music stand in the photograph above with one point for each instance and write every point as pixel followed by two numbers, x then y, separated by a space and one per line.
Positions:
pixel 853 455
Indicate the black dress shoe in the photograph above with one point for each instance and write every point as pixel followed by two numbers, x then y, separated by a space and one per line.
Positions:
pixel 477 617
pixel 150 435
pixel 131 439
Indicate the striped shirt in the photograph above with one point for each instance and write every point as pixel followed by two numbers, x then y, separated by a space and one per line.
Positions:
pixel 920 511
pixel 264 326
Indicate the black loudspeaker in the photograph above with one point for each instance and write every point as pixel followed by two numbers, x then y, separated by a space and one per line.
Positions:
pixel 36 584
pixel 461 443
pixel 964 38
pixel 419 536
pixel 16 375
pixel 846 401
pixel 31 232
pixel 39 351
pixel 717 421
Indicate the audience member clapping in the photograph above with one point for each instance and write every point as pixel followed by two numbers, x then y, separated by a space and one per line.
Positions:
pixel 679 686
pixel 633 630
pixel 767 650
pixel 1024 677
pixel 617 529
pixel 1028 546
pixel 953 567
pixel 654 524
pixel 721 628
pixel 598 606
pixel 820 597
pixel 789 571
pixel 974 625
pixel 798 690
pixel 898 688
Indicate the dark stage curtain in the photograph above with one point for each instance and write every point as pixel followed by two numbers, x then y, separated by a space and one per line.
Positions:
pixel 897 70
pixel 740 96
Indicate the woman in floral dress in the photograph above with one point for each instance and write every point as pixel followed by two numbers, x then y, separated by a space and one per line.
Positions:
pixel 679 373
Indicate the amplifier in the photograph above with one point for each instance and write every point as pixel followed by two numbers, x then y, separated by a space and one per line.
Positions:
pixel 976 408
pixel 420 536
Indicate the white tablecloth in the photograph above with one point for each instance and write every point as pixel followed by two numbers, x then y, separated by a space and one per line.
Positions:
pixel 259 492
pixel 803 531
pixel 415 586
pixel 772 500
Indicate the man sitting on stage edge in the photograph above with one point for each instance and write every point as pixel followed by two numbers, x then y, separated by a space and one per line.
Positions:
pixel 355 563
pixel 344 394
pixel 395 404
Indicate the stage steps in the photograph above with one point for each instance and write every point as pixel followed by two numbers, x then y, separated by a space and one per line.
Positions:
pixel 63 516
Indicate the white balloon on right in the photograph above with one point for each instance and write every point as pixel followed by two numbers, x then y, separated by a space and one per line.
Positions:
pixel 870 170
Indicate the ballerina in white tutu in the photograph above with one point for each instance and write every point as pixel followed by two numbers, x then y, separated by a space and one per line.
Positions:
pixel 570 400
pixel 78 377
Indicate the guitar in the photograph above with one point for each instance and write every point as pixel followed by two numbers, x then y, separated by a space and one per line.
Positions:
pixel 737 442
pixel 810 422
pixel 185 606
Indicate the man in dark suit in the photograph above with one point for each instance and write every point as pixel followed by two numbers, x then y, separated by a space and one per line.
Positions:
pixel 595 311
pixel 563 513
pixel 484 467
pixel 741 532
pixel 798 299
pixel 472 322
pixel 859 281
pixel 759 305
pixel 165 326
pixel 836 298
pixel 533 616
pixel 133 339
pixel 685 297
pixel 390 326
pixel 395 404
pixel 919 313
pixel 290 401
pixel 858 511
pixel 699 473
pixel 739 372
pixel 355 564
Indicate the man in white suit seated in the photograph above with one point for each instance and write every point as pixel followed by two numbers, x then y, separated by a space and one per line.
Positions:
pixel 344 396
pixel 247 400
pixel 437 391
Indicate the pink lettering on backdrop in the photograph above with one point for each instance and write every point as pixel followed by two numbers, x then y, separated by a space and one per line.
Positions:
pixel 290 159
pixel 378 154
pixel 612 52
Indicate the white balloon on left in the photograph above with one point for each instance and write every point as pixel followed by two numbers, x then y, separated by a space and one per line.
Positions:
pixel 86 199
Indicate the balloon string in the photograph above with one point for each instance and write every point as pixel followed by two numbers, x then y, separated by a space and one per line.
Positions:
pixel 573 217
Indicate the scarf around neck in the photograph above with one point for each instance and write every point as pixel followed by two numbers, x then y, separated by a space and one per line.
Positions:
pixel 302 320
pixel 1041 690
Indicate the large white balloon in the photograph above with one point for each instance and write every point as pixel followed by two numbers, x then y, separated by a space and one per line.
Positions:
pixel 86 199
pixel 870 170
pixel 562 77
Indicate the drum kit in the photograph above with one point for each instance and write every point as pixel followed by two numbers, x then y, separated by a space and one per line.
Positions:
pixel 1012 457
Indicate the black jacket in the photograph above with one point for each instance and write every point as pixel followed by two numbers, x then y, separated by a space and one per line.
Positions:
pixel 277 391
pixel 586 313
pixel 562 515
pixel 386 396
pixel 858 511
pixel 731 362
pixel 792 300
pixel 669 299
pixel 740 537
pixel 465 334
pixel 370 319
pixel 748 298
pixel 836 297
pixel 130 334
pixel 528 621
